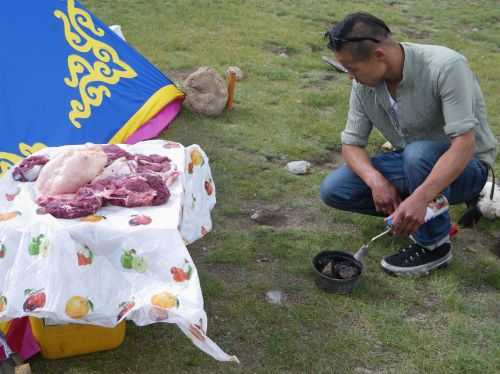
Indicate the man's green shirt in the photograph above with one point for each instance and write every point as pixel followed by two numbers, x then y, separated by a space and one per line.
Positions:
pixel 438 98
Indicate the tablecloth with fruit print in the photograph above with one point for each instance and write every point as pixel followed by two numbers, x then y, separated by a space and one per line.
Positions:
pixel 121 263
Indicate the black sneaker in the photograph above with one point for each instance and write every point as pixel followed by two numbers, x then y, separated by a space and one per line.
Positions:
pixel 417 260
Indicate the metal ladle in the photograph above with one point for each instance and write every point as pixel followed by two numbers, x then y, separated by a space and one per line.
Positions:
pixel 364 248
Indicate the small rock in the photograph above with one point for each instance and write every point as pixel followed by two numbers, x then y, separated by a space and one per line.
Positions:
pixel 256 215
pixel 298 167
pixel 236 70
pixel 475 29
pixel 346 271
pixel 206 92
pixel 328 269
pixel 283 54
pixel 387 146
pixel 263 259
pixel 268 217
pixel 275 297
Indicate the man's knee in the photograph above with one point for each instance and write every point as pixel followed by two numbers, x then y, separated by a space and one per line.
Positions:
pixel 423 154
pixel 336 190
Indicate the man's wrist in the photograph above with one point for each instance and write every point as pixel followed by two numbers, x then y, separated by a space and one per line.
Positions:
pixel 425 194
pixel 372 178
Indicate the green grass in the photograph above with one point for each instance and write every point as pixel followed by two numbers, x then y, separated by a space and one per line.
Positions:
pixel 288 109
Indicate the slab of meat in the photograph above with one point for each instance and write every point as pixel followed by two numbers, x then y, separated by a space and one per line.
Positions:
pixel 127 191
pixel 132 190
pixel 77 182
pixel 29 168
pixel 81 204
pixel 70 170
pixel 114 152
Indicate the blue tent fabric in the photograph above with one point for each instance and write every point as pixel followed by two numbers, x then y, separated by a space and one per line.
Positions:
pixel 66 78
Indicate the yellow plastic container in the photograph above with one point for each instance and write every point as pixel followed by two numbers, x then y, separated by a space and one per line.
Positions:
pixel 58 341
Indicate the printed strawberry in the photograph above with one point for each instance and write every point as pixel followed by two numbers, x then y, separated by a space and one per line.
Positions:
pixel 190 168
pixel 35 300
pixel 127 258
pixel 3 249
pixel 180 274
pixel 209 187
pixel 84 256
pixel 125 307
pixel 140 220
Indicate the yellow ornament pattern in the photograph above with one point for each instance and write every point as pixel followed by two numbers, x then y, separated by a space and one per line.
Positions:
pixel 80 32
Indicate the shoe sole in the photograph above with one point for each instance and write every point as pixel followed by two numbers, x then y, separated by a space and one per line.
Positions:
pixel 416 271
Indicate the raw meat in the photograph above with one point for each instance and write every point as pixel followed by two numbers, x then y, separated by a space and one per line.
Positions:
pixel 126 180
pixel 29 168
pixel 114 152
pixel 70 170
pixel 81 204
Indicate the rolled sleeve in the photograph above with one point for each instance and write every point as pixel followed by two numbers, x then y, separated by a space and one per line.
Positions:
pixel 358 126
pixel 456 87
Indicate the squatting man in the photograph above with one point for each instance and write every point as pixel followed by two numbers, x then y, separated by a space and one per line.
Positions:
pixel 425 100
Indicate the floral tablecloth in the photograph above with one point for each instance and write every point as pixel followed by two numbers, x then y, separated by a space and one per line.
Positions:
pixel 120 263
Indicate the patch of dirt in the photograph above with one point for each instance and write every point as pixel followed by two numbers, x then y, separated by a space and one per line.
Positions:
pixel 332 161
pixel 415 34
pixel 431 301
pixel 314 47
pixel 472 241
pixel 317 81
pixel 270 216
pixel 305 215
pixel 277 48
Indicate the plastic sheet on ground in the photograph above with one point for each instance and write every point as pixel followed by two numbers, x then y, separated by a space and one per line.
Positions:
pixel 121 263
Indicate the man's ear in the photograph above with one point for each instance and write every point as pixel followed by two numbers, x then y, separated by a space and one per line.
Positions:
pixel 379 53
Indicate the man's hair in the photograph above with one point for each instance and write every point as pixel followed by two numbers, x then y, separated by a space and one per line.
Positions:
pixel 359 33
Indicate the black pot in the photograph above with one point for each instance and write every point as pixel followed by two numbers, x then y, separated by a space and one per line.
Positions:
pixel 330 283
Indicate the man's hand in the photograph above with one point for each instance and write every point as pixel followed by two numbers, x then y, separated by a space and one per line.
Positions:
pixel 385 196
pixel 409 216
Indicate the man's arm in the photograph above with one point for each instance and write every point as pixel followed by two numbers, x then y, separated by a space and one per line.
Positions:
pixel 385 195
pixel 455 85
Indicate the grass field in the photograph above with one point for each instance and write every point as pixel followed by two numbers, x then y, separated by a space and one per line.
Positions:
pixel 292 108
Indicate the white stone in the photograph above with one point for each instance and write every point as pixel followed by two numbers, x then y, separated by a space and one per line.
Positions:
pixel 284 55
pixel 298 167
pixel 275 297
pixel 387 146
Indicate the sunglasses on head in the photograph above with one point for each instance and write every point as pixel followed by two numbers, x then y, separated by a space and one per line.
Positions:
pixel 336 43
